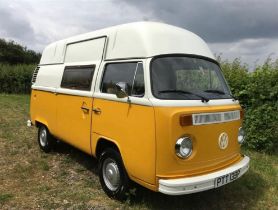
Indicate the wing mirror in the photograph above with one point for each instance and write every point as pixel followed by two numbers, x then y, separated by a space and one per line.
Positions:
pixel 121 90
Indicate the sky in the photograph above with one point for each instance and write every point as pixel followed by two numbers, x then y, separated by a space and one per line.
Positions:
pixel 245 29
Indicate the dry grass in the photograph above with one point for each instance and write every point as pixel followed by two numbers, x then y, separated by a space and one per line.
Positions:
pixel 67 178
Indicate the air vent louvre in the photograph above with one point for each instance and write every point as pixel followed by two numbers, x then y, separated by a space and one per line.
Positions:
pixel 35 73
pixel 219 117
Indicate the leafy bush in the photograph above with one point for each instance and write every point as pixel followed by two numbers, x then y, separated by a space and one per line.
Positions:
pixel 238 78
pixel 13 53
pixel 16 78
pixel 257 92
pixel 261 125
pixel 16 67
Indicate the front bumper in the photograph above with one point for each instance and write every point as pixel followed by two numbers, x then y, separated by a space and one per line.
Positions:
pixel 200 183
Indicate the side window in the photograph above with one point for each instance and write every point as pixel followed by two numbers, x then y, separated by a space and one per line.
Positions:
pixel 78 77
pixel 130 73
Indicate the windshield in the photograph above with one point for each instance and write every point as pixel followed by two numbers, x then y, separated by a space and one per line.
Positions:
pixel 190 78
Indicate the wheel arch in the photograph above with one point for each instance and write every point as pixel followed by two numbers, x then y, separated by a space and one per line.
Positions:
pixel 104 143
pixel 39 122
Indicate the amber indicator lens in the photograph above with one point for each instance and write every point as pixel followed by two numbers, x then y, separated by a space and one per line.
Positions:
pixel 185 120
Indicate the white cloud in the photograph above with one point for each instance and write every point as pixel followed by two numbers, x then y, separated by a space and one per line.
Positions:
pixel 233 28
pixel 53 20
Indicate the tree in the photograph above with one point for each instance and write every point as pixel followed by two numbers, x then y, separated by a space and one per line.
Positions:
pixel 13 53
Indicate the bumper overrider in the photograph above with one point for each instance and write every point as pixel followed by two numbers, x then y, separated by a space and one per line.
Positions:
pixel 204 182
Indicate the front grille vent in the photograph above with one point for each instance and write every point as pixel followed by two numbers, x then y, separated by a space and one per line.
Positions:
pixel 217 117
pixel 35 73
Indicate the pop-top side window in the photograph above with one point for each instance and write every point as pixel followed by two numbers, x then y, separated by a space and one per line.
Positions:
pixel 130 73
pixel 85 51
pixel 78 77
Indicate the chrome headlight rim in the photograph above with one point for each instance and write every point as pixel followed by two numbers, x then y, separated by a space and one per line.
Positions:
pixel 240 136
pixel 184 141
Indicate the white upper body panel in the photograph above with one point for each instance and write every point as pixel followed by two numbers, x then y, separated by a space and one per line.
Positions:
pixel 134 40
pixel 147 39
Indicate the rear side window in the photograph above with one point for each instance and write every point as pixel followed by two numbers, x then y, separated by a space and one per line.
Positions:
pixel 78 77
pixel 130 73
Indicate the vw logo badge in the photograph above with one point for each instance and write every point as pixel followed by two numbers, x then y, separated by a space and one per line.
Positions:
pixel 223 140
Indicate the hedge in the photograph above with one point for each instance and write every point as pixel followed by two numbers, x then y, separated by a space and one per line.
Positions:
pixel 257 92
pixel 16 78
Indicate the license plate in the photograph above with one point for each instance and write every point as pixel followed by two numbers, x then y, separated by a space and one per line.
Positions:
pixel 222 180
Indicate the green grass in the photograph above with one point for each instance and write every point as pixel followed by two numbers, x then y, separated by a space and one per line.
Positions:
pixel 5 197
pixel 30 179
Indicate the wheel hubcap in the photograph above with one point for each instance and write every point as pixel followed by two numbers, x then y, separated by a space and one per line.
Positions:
pixel 111 174
pixel 43 137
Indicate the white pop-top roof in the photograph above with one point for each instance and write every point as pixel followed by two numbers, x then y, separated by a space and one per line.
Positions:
pixel 135 40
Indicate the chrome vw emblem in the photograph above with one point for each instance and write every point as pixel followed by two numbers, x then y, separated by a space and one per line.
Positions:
pixel 223 140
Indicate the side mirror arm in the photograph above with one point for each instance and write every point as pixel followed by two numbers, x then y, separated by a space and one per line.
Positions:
pixel 121 91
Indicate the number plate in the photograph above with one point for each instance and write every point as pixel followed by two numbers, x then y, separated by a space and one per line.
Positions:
pixel 222 180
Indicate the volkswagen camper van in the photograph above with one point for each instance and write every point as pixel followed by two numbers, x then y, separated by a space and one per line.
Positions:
pixel 148 100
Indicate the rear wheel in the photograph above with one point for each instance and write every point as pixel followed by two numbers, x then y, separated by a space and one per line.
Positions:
pixel 45 139
pixel 113 177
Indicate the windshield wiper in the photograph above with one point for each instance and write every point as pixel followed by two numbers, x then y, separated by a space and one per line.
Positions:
pixel 204 99
pixel 219 92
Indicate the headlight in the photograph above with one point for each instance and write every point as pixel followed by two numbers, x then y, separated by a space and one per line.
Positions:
pixel 183 147
pixel 240 136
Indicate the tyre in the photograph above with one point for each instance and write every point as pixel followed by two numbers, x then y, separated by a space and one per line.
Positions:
pixel 45 139
pixel 112 174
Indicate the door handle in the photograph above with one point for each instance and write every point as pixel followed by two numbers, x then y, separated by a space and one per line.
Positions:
pixel 97 110
pixel 85 109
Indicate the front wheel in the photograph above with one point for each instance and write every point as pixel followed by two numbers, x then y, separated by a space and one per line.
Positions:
pixel 45 139
pixel 113 177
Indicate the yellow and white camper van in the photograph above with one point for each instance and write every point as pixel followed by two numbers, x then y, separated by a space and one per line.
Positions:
pixel 148 100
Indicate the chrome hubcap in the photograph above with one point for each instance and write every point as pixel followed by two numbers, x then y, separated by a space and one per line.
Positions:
pixel 43 137
pixel 111 174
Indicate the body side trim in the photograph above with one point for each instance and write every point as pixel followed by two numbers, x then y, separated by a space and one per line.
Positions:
pixel 134 100
pixel 74 92
pixel 43 88
pixel 49 64
pixel 63 91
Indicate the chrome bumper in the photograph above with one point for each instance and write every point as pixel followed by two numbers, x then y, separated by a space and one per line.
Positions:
pixel 200 183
